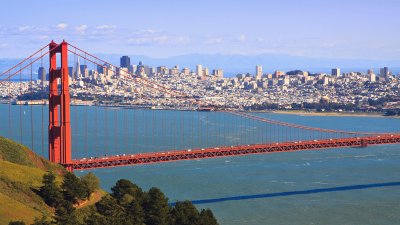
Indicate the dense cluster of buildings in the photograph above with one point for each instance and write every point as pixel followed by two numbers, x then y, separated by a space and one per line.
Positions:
pixel 183 88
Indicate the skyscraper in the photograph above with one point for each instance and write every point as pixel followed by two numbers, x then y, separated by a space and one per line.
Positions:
pixel 77 70
pixel 336 72
pixel 384 72
pixel 42 74
pixel 84 71
pixel 258 72
pixel 125 62
pixel 199 70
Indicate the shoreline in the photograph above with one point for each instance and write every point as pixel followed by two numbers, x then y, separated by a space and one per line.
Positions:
pixel 288 112
pixel 349 114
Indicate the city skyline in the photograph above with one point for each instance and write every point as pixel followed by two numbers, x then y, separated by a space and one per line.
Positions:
pixel 329 29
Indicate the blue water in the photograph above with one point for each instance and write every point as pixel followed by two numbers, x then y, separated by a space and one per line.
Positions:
pixel 336 186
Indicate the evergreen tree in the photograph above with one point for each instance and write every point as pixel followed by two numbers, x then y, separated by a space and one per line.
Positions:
pixel 207 218
pixel 184 213
pixel 156 208
pixel 41 221
pixel 50 192
pixel 65 214
pixel 135 212
pixel 91 183
pixel 125 192
pixel 73 189
pixel 16 223
pixel 113 213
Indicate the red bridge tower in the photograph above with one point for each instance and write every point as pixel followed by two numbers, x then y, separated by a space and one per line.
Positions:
pixel 59 107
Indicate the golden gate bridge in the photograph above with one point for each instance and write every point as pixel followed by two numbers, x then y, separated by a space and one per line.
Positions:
pixel 274 136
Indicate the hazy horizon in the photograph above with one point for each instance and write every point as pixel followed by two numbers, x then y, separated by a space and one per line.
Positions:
pixel 330 29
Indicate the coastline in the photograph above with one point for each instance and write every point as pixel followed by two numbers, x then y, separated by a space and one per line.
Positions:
pixel 351 114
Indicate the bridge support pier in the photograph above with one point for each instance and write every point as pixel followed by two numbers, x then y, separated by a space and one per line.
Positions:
pixel 59 107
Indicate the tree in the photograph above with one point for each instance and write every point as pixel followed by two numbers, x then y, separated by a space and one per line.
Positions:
pixel 125 192
pixel 72 188
pixel 113 213
pixel 207 218
pixel 50 192
pixel 65 214
pixel 91 183
pixel 184 213
pixel 16 223
pixel 156 208
pixel 41 221
pixel 135 212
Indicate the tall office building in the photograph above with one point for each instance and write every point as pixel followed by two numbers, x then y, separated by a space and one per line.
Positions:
pixel 42 74
pixel 186 71
pixel 84 71
pixel 71 72
pixel 384 72
pixel 218 73
pixel 336 72
pixel 258 72
pixel 199 70
pixel 126 62
pixel 77 70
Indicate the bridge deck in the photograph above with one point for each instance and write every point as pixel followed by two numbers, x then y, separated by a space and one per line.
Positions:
pixel 160 157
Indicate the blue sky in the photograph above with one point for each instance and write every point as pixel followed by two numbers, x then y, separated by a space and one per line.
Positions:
pixel 357 29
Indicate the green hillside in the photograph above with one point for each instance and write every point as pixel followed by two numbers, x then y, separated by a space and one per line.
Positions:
pixel 21 173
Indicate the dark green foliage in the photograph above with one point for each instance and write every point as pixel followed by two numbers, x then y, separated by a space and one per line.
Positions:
pixel 41 221
pixel 156 208
pixel 125 192
pixel 110 212
pixel 65 214
pixel 135 213
pixel 90 183
pixel 16 223
pixel 73 188
pixel 184 213
pixel 126 205
pixel 50 192
pixel 207 218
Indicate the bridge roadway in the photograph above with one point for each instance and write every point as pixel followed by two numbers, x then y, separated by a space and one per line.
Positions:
pixel 225 151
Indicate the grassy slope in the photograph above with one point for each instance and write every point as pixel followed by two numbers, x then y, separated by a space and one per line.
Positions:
pixel 21 173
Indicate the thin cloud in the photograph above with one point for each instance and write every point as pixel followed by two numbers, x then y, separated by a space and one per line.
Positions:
pixel 214 40
pixel 81 29
pixel 62 26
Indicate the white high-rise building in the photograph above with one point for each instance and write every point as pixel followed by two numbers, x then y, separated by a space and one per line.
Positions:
pixel 258 72
pixel 199 70
pixel 372 77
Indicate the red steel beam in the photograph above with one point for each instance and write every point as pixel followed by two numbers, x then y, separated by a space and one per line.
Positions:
pixel 226 151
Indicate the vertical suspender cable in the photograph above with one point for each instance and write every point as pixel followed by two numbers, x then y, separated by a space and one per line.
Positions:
pixel 31 87
pixel 20 105
pixel 43 99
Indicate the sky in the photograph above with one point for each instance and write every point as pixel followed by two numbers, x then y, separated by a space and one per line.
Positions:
pixel 354 29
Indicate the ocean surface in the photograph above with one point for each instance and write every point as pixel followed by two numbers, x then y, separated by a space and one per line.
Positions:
pixel 335 186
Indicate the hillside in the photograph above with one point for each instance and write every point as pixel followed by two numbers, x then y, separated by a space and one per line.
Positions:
pixel 21 173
